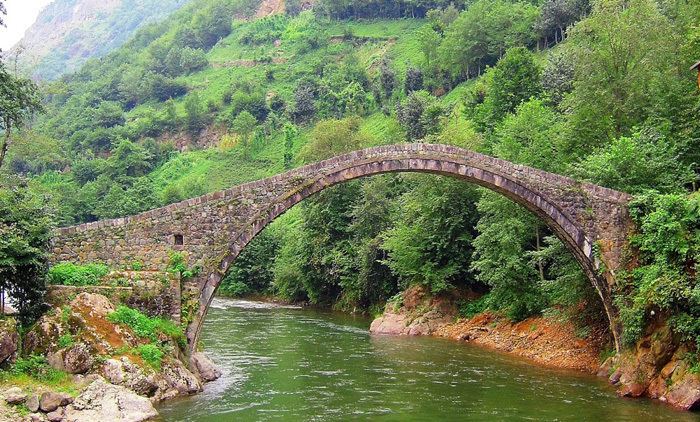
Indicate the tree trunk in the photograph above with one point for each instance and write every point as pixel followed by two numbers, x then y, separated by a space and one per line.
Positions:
pixel 539 260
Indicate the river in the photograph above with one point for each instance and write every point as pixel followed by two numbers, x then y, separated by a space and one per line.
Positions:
pixel 285 363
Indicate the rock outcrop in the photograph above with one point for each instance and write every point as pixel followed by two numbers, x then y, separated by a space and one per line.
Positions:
pixel 9 340
pixel 103 401
pixel 101 347
pixel 204 367
pixel 419 314
pixel 657 367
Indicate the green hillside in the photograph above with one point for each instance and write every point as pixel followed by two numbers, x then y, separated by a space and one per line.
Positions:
pixel 69 32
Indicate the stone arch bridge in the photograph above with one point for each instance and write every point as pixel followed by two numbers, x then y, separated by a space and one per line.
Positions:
pixel 213 229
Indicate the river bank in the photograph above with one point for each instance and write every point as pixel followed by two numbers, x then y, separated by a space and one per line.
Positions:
pixel 547 341
pixel 655 367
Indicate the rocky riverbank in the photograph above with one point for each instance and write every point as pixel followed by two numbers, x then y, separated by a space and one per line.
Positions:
pixel 116 373
pixel 546 341
pixel 656 367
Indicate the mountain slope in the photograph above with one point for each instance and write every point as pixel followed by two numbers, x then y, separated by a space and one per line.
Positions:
pixel 69 32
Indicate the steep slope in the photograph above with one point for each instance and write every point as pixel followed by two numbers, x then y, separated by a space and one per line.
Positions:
pixel 69 32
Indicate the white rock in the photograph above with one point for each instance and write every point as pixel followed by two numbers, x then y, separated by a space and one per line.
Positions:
pixel 106 402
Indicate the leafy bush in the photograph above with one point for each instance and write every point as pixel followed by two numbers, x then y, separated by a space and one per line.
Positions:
pixel 65 340
pixel 152 354
pixel 264 30
pixel 668 240
pixel 470 308
pixel 144 326
pixel 38 368
pixel 177 264
pixel 67 274
pixel 25 234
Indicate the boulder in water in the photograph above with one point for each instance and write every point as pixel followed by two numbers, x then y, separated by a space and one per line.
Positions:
pixel 205 367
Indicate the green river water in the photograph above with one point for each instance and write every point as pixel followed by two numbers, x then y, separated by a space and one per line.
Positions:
pixel 282 363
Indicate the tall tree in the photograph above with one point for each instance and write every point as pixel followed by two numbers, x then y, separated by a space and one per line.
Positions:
pixel 625 54
pixel 25 232
pixel 19 100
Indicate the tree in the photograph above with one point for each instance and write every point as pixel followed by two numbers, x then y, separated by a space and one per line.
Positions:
pixel 625 57
pixel 414 80
pixel 109 114
pixel 164 88
pixel 635 164
pixel 19 100
pixel 558 75
pixel 515 79
pixel 429 41
pixel 558 15
pixel 129 160
pixel 210 24
pixel 534 135
pixel 432 243
pixel 387 78
pixel 253 270
pixel 244 125
pixel 195 117
pixel 25 232
pixel 333 137
pixel 483 32
pixel 419 115
pixel 501 260
pixel 304 104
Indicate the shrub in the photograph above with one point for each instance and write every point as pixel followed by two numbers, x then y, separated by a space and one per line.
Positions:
pixel 67 274
pixel 669 248
pixel 38 368
pixel 144 326
pixel 65 340
pixel 470 308
pixel 152 354
pixel 178 265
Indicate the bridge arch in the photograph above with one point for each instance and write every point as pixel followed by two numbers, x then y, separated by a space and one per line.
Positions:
pixel 592 221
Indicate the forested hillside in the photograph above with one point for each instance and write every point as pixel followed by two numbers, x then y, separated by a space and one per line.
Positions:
pixel 600 91
pixel 69 32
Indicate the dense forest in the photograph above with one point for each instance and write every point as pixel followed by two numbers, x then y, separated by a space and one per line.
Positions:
pixel 600 91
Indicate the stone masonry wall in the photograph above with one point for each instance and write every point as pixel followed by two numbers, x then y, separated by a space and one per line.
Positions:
pixel 156 294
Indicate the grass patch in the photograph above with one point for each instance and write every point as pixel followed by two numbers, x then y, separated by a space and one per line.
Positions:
pixel 65 340
pixel 144 326
pixel 34 373
pixel 67 274
pixel 151 354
